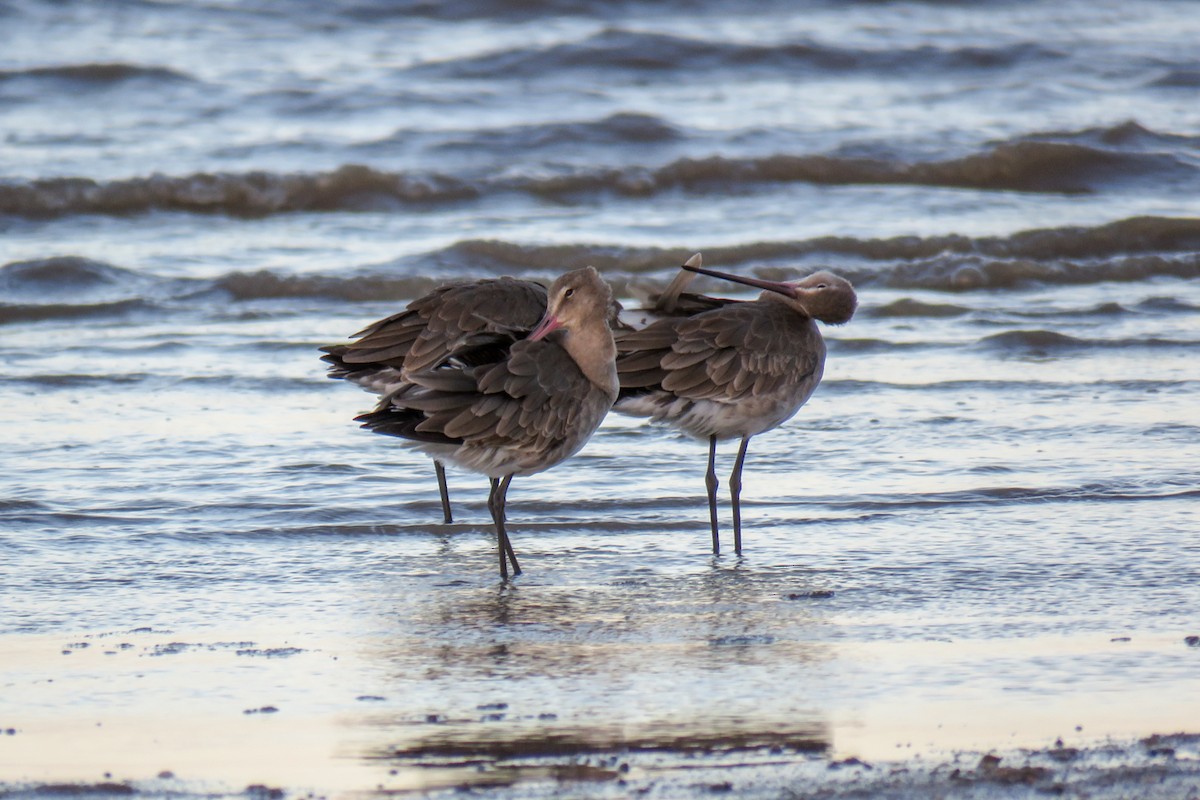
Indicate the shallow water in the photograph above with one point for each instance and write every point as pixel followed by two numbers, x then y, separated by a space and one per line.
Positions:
pixel 981 530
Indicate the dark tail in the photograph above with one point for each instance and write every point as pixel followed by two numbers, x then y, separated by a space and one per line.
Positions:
pixel 402 422
pixel 334 357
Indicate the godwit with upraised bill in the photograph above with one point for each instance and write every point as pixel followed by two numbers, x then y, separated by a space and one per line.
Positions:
pixel 734 370
pixel 503 406
pixel 673 301
pixel 428 330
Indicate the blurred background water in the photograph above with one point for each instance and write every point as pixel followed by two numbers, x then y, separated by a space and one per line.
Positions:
pixel 994 487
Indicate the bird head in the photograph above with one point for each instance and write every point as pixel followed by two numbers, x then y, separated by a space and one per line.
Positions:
pixel 575 300
pixel 822 295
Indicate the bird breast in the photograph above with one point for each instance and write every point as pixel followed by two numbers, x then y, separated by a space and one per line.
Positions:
pixel 721 417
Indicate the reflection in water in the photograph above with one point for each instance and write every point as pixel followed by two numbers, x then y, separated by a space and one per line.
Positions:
pixel 679 659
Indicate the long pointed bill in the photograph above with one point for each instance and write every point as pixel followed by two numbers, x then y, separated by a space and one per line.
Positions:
pixel 771 286
pixel 549 323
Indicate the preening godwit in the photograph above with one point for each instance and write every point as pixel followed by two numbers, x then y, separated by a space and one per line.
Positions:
pixel 734 370
pixel 673 301
pixel 430 328
pixel 505 406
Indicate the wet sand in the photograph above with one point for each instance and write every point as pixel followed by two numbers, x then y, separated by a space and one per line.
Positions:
pixel 156 713
pixel 1158 767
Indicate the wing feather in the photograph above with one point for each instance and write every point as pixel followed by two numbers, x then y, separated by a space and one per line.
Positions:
pixel 431 327
pixel 536 398
pixel 725 354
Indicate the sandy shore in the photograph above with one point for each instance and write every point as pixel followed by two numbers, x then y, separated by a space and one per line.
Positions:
pixel 1159 767
pixel 262 712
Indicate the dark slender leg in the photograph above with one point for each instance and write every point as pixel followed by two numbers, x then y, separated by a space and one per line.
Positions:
pixel 444 491
pixel 735 493
pixel 508 548
pixel 496 500
pixel 710 480
pixel 492 507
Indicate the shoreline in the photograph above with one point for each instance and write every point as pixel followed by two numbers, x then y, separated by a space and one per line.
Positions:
pixel 254 712
pixel 1157 767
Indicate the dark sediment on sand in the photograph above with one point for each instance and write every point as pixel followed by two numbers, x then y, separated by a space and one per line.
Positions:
pixel 1158 767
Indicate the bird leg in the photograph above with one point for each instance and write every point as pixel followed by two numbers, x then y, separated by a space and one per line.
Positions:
pixel 735 493
pixel 496 501
pixel 710 481
pixel 498 521
pixel 444 491
pixel 508 548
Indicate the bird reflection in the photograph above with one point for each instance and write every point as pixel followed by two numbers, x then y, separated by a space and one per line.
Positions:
pixel 513 679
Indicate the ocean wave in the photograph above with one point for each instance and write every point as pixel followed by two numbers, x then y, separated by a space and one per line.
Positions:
pixel 48 275
pixel 1109 309
pixel 1115 491
pixel 873 346
pixel 95 75
pixel 1135 249
pixel 373 11
pixel 66 287
pixel 10 314
pixel 1178 79
pixel 623 50
pixel 907 307
pixel 48 382
pixel 258 382
pixel 1052 167
pixel 254 194
pixel 958 273
pixel 1026 166
pixel 267 285
pixel 1166 304
pixel 70 287
pixel 75 381
pixel 858 387
pixel 626 268
pixel 1129 136
pixel 618 129
pixel 1044 342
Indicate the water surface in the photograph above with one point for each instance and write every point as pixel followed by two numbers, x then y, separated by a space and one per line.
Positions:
pixel 980 532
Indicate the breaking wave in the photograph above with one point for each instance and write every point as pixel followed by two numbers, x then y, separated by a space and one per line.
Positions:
pixel 624 266
pixel 254 194
pixel 1134 249
pixel 1053 167
pixel 1127 250
pixel 1087 161
pixel 617 49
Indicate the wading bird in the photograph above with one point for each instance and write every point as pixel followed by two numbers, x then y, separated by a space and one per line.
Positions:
pixel 734 369
pixel 428 330
pixel 506 406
